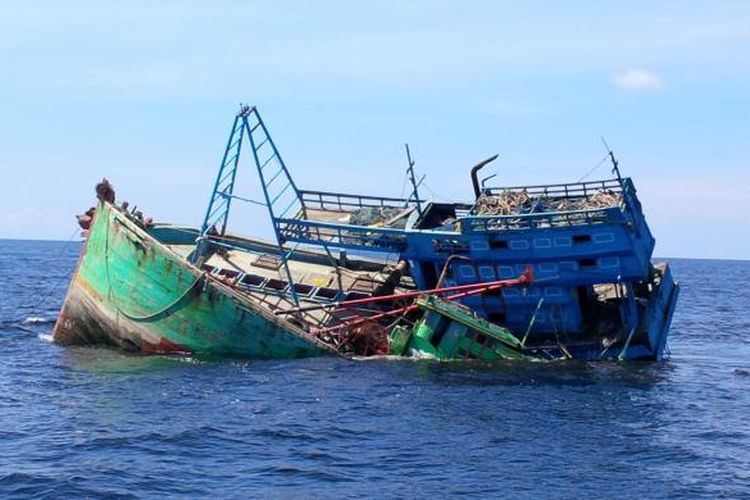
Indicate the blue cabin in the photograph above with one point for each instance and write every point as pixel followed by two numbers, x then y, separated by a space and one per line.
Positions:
pixel 595 295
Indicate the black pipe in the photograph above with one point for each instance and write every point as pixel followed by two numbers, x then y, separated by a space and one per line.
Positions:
pixel 475 170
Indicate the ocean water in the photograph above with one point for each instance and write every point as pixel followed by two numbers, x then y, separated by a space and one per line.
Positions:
pixel 84 422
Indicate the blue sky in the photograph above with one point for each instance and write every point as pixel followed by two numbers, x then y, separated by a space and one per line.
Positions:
pixel 144 93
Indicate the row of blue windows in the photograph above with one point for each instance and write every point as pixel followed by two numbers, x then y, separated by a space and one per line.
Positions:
pixel 488 272
pixel 544 242
pixel 561 317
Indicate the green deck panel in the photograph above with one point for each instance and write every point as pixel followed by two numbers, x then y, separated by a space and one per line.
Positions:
pixel 399 339
pixel 463 315
pixel 420 339
pixel 451 342
pixel 459 340
pixel 127 274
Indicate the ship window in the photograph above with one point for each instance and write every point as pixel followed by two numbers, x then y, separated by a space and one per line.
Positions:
pixel 562 241
pixel 542 242
pixel 481 338
pixel 449 246
pixel 429 273
pixel 496 317
pixel 581 238
pixel 468 272
pixel 587 262
pixel 253 279
pixel 439 332
pixel 547 267
pixel 327 293
pixel 499 244
pixel 569 265
pixel 604 238
pixel 276 284
pixel 229 273
pixel 487 272
pixel 505 271
pixel 606 262
pixel 302 289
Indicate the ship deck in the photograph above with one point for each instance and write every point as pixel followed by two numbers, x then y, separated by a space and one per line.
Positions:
pixel 261 274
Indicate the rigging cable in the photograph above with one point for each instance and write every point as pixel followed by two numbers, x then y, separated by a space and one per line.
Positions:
pixel 56 284
pixel 437 196
pixel 601 162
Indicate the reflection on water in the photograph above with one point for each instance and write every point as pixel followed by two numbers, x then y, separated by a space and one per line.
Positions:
pixel 107 360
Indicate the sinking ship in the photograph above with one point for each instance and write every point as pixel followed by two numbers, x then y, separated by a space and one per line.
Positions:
pixel 533 273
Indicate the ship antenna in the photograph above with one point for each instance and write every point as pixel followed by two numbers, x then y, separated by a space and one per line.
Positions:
pixel 615 164
pixel 413 180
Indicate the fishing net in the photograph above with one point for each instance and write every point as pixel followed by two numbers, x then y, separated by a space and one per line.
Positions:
pixel 510 202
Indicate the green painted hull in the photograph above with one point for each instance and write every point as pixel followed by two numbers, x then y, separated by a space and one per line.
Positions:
pixel 133 292
pixel 447 331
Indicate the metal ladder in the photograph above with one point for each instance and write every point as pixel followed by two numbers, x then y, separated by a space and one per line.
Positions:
pixel 279 190
pixel 217 213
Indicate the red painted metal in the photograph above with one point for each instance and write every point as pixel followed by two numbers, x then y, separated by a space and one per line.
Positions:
pixel 164 346
pixel 526 278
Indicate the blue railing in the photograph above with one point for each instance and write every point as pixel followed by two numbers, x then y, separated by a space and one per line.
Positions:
pixel 569 190
pixel 541 220
pixel 323 200
pixel 342 235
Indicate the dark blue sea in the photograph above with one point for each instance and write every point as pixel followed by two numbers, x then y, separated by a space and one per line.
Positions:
pixel 84 422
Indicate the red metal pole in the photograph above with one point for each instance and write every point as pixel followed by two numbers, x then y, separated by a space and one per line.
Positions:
pixel 525 278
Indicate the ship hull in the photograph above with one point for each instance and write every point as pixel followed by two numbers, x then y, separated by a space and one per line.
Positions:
pixel 132 292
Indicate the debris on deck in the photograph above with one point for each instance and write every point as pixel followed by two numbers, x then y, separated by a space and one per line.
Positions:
pixel 510 202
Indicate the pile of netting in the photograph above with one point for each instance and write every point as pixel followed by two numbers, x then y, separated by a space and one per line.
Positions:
pixel 380 216
pixel 520 202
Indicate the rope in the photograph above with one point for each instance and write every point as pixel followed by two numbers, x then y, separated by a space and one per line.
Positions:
pixel 56 284
pixel 113 296
pixel 601 162
pixel 621 356
pixel 403 185
pixel 437 196
pixel 531 322
pixel 248 200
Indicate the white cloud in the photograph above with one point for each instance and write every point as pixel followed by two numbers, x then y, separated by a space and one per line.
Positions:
pixel 637 79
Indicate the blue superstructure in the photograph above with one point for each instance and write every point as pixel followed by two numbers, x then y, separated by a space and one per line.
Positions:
pixel 596 294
